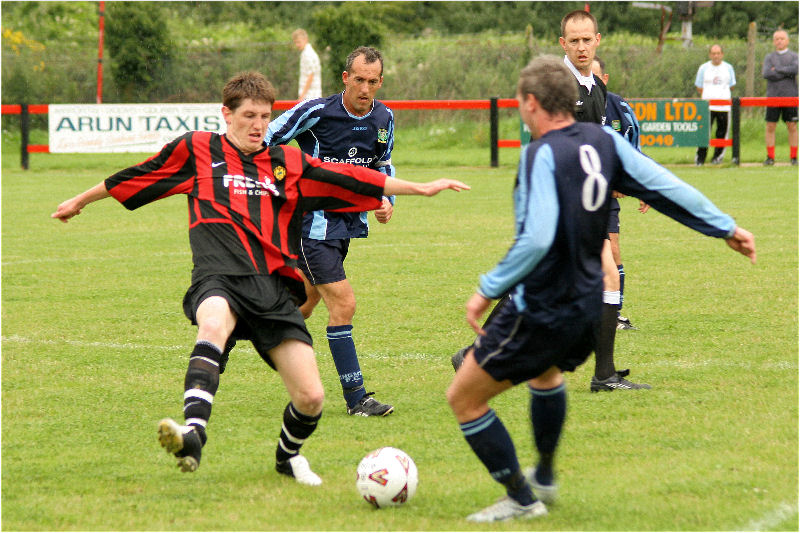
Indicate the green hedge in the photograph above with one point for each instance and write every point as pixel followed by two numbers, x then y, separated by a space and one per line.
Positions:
pixel 434 66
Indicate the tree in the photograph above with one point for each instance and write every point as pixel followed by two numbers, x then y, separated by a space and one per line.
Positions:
pixel 342 29
pixel 136 36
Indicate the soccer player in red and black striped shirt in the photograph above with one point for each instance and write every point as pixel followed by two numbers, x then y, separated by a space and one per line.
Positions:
pixel 246 205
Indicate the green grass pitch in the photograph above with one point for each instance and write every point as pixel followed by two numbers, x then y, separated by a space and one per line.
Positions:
pixel 94 349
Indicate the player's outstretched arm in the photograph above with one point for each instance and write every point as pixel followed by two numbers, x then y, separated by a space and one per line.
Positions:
pixel 743 242
pixel 397 186
pixel 73 206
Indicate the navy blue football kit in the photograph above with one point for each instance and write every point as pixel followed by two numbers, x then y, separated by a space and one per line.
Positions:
pixel 323 128
pixel 553 271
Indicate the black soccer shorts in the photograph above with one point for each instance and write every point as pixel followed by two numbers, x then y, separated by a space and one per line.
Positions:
pixel 266 314
pixel 788 114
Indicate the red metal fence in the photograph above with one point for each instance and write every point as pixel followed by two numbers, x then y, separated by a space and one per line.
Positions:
pixel 492 104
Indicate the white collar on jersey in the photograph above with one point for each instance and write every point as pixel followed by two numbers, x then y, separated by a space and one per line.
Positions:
pixel 586 81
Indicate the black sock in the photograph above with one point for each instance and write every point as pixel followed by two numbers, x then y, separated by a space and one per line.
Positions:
pixel 200 385
pixel 297 427
pixel 605 333
pixel 548 412
pixel 621 271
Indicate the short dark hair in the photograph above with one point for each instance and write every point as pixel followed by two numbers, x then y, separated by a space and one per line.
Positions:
pixel 578 15
pixel 246 85
pixel 370 54
pixel 601 63
pixel 551 82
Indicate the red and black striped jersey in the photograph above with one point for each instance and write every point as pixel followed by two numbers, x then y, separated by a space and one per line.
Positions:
pixel 245 211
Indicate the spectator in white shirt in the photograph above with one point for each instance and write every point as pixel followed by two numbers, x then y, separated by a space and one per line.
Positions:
pixel 713 82
pixel 310 84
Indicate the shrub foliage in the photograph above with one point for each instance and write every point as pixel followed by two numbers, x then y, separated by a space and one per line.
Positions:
pixel 138 42
pixel 345 28
pixel 185 51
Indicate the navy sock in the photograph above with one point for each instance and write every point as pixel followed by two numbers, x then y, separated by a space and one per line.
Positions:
pixel 548 412
pixel 343 350
pixel 488 438
pixel 621 270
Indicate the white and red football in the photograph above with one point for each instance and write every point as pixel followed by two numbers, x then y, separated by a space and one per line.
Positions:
pixel 387 477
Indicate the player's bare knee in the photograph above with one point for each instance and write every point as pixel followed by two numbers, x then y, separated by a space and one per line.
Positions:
pixel 452 397
pixel 213 329
pixel 459 401
pixel 550 379
pixel 309 400
pixel 342 313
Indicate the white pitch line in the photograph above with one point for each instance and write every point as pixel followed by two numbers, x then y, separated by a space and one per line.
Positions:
pixel 772 519
pixel 84 259
pixel 131 346
pixel 418 356
pixel 84 344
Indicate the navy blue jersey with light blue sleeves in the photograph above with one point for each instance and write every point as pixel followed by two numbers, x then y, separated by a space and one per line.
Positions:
pixel 621 118
pixel 561 200
pixel 323 128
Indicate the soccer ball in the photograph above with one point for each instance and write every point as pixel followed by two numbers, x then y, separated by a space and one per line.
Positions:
pixel 386 477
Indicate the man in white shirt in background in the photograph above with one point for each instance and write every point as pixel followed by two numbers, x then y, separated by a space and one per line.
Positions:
pixel 713 82
pixel 310 84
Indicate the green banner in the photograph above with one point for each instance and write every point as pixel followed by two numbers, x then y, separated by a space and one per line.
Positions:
pixel 524 133
pixel 663 122
pixel 672 121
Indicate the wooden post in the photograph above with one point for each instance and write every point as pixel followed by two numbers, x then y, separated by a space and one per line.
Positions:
pixel 750 72
pixel 101 31
pixel 665 24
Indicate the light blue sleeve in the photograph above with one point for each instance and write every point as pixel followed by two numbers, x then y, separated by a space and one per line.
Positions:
pixel 733 75
pixel 536 209
pixel 667 193
pixel 631 115
pixel 293 122
pixel 698 80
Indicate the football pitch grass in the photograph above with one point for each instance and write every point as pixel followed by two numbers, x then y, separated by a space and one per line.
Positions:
pixel 95 345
